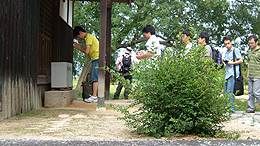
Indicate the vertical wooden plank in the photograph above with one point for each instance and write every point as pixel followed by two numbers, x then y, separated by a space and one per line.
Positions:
pixel 108 53
pixel 15 60
pixel 20 59
pixel 5 60
pixel 8 75
pixel 2 18
pixel 102 48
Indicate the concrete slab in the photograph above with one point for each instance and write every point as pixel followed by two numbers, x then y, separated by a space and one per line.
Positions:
pixel 59 98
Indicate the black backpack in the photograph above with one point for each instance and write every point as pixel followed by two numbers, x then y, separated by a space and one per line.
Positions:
pixel 126 67
pixel 217 57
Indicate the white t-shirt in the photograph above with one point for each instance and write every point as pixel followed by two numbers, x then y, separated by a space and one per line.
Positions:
pixel 153 45
pixel 188 48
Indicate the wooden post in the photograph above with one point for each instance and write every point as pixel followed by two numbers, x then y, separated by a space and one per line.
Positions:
pixel 102 48
pixel 108 53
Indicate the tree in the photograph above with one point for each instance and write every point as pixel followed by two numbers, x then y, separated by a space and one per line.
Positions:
pixel 216 17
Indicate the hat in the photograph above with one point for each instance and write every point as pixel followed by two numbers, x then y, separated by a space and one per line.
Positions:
pixel 128 50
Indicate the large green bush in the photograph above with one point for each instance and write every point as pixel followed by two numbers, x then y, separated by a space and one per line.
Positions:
pixel 178 94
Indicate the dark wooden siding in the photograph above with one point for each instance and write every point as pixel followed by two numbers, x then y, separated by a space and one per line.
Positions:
pixel 25 59
pixel 66 42
pixel 19 43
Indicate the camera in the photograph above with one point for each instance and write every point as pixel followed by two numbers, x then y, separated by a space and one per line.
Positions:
pixel 75 41
pixel 226 61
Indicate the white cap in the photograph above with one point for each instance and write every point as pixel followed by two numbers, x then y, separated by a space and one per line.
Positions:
pixel 128 50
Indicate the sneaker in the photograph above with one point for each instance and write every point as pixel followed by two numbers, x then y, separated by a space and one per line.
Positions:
pixel 91 99
pixel 95 100
pixel 250 111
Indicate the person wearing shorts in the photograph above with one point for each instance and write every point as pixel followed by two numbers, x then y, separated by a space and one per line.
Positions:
pixel 92 49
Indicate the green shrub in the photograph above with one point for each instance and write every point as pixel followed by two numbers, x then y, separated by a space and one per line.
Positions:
pixel 178 94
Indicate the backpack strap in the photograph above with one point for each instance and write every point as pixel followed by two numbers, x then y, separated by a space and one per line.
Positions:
pixel 234 66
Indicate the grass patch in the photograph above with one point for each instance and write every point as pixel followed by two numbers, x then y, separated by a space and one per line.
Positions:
pixel 112 90
pixel 74 83
pixel 241 105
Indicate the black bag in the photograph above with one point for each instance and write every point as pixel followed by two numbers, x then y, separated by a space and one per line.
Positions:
pixel 217 57
pixel 239 86
pixel 126 67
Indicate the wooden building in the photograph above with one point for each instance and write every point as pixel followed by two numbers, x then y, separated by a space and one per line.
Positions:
pixel 34 33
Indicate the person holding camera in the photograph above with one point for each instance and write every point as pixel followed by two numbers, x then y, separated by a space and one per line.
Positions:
pixel 126 62
pixel 230 74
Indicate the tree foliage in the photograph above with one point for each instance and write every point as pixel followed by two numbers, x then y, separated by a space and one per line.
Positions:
pixel 169 17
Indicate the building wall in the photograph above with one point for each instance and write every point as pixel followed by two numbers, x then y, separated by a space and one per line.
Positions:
pixel 19 20
pixel 24 72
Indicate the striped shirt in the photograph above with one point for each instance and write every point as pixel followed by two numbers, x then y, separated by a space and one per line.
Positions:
pixel 254 63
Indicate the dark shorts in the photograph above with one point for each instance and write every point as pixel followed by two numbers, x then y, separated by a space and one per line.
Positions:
pixel 94 72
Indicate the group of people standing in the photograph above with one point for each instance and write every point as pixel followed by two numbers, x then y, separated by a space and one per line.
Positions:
pixel 232 60
pixel 228 59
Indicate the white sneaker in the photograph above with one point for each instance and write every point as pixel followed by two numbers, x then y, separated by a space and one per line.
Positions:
pixel 91 99
pixel 95 100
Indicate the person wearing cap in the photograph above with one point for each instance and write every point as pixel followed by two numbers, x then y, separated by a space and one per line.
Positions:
pixel 152 45
pixel 92 49
pixel 127 76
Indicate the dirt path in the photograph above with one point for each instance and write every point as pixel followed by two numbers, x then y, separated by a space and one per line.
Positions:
pixel 81 123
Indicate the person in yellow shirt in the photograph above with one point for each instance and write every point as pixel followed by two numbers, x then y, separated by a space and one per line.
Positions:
pixel 92 49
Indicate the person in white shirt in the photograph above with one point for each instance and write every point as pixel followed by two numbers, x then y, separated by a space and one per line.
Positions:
pixel 152 45
pixel 186 39
pixel 125 72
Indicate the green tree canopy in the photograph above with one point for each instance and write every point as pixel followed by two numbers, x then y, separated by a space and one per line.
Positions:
pixel 169 17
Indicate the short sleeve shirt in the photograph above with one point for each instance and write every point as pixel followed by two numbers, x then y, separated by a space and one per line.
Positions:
pixel 153 45
pixel 209 51
pixel 230 68
pixel 188 48
pixel 254 63
pixel 94 46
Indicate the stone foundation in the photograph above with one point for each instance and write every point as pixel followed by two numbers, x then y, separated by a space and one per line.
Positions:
pixel 59 98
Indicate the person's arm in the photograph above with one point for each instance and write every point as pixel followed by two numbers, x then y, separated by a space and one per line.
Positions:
pixel 87 49
pixel 247 70
pixel 135 66
pixel 78 47
pixel 117 68
pixel 239 61
pixel 208 58
pixel 147 55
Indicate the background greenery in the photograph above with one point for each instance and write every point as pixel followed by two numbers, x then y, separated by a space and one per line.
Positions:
pixel 216 17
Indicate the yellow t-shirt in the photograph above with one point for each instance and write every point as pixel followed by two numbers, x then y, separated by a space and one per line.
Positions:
pixel 94 46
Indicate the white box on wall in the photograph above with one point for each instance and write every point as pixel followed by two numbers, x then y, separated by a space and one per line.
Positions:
pixel 61 75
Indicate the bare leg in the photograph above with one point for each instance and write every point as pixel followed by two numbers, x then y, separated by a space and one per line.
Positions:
pixel 95 88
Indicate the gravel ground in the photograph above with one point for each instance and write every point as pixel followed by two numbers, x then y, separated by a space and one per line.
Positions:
pixel 132 143
pixel 82 124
